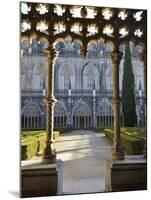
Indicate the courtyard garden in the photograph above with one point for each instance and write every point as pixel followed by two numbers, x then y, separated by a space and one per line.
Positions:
pixel 132 138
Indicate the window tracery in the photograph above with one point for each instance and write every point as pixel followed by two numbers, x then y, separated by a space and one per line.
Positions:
pixel 85 23
pixel 81 109
pixel 59 110
pixel 104 107
pixel 31 109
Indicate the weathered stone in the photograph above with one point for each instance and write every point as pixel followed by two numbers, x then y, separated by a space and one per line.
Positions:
pixel 126 175
pixel 41 180
pixel 90 82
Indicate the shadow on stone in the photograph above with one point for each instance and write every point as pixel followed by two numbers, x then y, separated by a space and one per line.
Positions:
pixel 41 179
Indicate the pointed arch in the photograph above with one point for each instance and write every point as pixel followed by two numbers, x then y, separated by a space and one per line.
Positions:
pixel 31 116
pixel 90 75
pixel 82 115
pixel 31 108
pixel 60 115
pixel 66 76
pixel 104 113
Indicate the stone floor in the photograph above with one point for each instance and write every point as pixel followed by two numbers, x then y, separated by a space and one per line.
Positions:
pixel 83 154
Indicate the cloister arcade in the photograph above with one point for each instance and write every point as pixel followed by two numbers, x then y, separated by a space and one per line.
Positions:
pixel 82 116
pixel 85 25
pixel 31 116
pixel 60 117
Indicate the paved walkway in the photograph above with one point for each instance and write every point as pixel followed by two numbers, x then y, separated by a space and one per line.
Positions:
pixel 83 154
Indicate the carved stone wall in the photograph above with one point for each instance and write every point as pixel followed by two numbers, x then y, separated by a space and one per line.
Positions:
pixel 81 77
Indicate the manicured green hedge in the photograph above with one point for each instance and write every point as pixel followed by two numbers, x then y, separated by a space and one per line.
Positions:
pixel 29 150
pixel 32 142
pixel 132 143
pixel 99 129
pixel 64 130
pixel 56 134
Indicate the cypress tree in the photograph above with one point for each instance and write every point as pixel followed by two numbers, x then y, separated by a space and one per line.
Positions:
pixel 128 91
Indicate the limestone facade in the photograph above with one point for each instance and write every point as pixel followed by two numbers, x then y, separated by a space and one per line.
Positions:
pixel 83 87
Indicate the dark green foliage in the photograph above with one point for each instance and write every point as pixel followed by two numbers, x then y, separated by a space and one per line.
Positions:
pixel 64 130
pixel 128 91
pixel 99 129
pixel 131 138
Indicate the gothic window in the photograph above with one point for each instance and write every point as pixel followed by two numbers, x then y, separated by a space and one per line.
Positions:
pixel 23 71
pixel 82 116
pixel 108 77
pixel 41 75
pixel 90 78
pixel 104 113
pixel 66 77
pixel 60 116
pixel 82 110
pixel 31 116
pixel 31 109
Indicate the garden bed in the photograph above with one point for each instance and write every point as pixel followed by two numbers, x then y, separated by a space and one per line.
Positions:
pixel 132 139
pixel 32 142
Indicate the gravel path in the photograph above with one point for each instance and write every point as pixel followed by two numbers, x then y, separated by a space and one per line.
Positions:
pixel 83 154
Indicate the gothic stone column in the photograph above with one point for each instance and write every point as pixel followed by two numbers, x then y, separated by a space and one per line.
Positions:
pixel 117 151
pixel 49 154
pixel 144 60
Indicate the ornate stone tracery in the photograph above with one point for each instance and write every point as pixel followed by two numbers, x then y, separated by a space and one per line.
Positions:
pixel 60 115
pixel 31 115
pixel 31 109
pixel 81 109
pixel 59 109
pixel 104 107
pixel 82 23
pixel 82 115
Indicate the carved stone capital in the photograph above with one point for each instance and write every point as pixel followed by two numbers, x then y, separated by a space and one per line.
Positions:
pixel 116 57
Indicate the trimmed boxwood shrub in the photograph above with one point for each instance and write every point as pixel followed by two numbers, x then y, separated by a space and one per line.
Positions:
pixel 109 133
pixel 99 129
pixel 63 130
pixel 133 145
pixel 28 150
pixel 41 141
pixel 56 134
pixel 32 142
